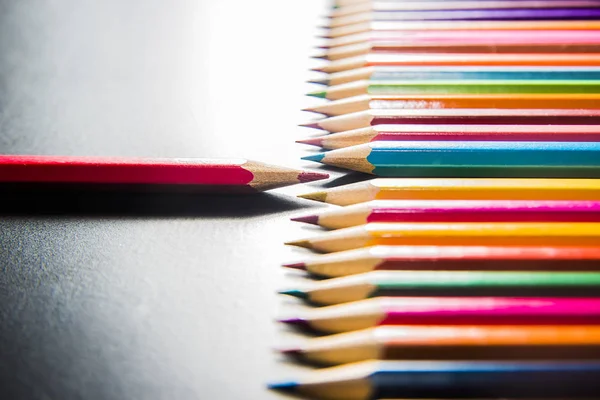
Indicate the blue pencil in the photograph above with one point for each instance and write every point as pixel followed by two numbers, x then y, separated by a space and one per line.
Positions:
pixel 450 380
pixel 468 159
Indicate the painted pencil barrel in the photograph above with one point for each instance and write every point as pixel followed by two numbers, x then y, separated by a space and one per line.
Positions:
pixel 459 189
pixel 456 211
pixel 385 311
pixel 524 342
pixel 449 380
pixel 456 234
pixel 449 283
pixel 451 258
pixel 469 159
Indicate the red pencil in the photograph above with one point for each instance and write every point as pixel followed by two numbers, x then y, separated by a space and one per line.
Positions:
pixel 198 175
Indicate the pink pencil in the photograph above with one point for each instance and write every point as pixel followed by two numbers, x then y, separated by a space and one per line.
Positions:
pixel 450 311
pixel 456 211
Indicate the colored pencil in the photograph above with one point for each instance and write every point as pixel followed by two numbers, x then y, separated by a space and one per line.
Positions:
pixel 456 211
pixel 449 380
pixel 465 116
pixel 367 102
pixel 439 87
pixel 450 258
pixel 462 59
pixel 459 189
pixel 524 342
pixel 399 73
pixel 367 6
pixel 468 159
pixel 496 42
pixel 448 283
pixel 409 132
pixel 495 14
pixel 456 234
pixel 382 311
pixel 399 26
pixel 199 175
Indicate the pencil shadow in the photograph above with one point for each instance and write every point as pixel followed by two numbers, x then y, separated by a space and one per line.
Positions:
pixel 352 177
pixel 82 202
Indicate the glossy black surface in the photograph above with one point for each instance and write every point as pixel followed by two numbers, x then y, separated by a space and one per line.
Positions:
pixel 149 297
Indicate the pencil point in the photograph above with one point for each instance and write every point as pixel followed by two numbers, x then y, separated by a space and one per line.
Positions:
pixel 317 69
pixel 314 125
pixel 297 322
pixel 314 157
pixel 321 94
pixel 305 177
pixel 312 141
pixel 300 243
pixel 287 387
pixel 297 265
pixel 295 293
pixel 316 196
pixel 319 57
pixel 319 81
pixel 309 219
pixel 294 353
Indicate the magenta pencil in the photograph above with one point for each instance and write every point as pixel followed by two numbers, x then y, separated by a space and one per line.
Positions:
pixel 450 311
pixel 456 211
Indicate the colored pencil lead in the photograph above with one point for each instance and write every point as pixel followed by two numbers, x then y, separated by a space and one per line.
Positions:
pixel 296 265
pixel 300 243
pixel 316 196
pixel 314 157
pixel 320 81
pixel 312 141
pixel 321 94
pixel 300 294
pixel 308 219
pixel 305 177
pixel 313 125
pixel 286 387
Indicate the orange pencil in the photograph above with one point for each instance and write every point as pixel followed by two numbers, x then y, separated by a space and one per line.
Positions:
pixel 451 342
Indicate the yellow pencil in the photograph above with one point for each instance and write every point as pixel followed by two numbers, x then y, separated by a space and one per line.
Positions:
pixel 460 189
pixel 456 234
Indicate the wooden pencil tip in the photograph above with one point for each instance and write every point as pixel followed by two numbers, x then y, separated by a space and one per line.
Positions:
pixel 292 352
pixel 294 321
pixel 308 219
pixel 285 387
pixel 314 125
pixel 318 141
pixel 295 293
pixel 319 69
pixel 300 243
pixel 297 265
pixel 322 56
pixel 321 94
pixel 305 177
pixel 316 196
pixel 319 81
pixel 314 157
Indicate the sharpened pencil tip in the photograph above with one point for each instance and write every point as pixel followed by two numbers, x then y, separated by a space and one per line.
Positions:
pixel 312 141
pixel 319 69
pixel 321 94
pixel 300 243
pixel 314 157
pixel 321 56
pixel 305 177
pixel 308 219
pixel 287 387
pixel 319 81
pixel 295 321
pixel 314 125
pixel 316 196
pixel 297 265
pixel 295 293
pixel 294 353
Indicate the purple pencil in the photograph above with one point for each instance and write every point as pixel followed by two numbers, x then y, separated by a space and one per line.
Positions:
pixel 456 211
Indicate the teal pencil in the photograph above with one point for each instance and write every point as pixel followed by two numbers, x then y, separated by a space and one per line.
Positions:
pixel 468 159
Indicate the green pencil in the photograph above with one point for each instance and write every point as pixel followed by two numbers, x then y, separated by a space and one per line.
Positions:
pixel 449 283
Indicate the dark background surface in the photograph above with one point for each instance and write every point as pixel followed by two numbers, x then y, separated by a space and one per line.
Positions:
pixel 161 297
